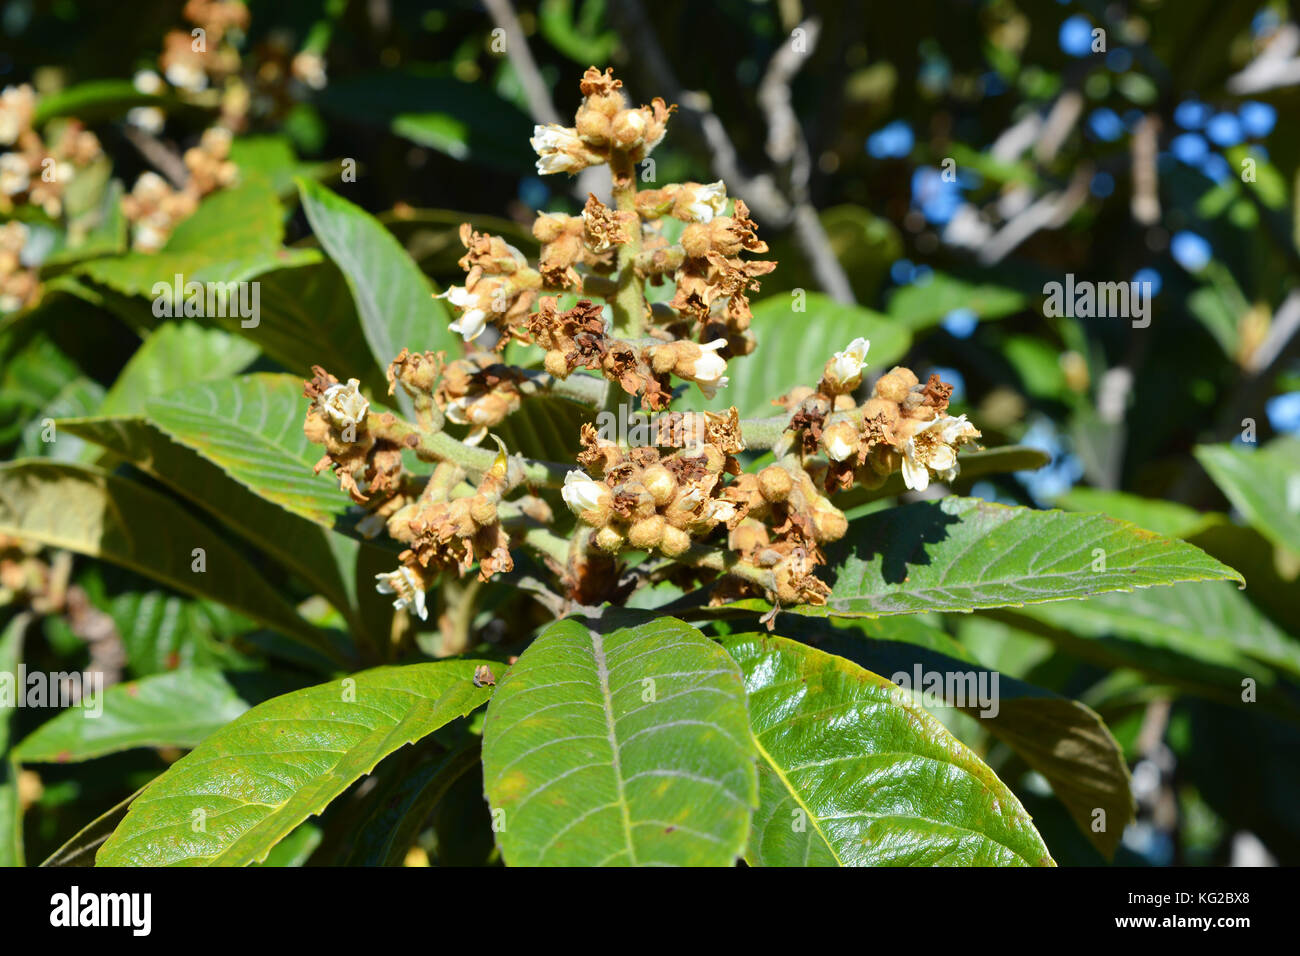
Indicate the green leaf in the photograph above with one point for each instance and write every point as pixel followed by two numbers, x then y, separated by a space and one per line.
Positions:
pixel 853 773
pixel 1263 485
pixel 325 559
pixel 403 804
pixel 959 554
pixel 621 747
pixel 793 348
pixel 81 396
pixel 921 306
pixel 308 318
pixel 175 354
pixel 95 100
pixel 1163 517
pixel 176 709
pixel 162 632
pixel 104 516
pixel 234 236
pixel 1064 740
pixel 393 297
pixel 252 428
pixel 1212 622
pixel 255 780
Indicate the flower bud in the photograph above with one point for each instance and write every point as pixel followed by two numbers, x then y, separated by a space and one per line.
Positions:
pixel 593 126
pixel 843 373
pixel 647 533
pixel 829 524
pixel 585 496
pixel 661 484
pixel 876 407
pixel 607 539
pixel 700 202
pixel 840 441
pixel 895 385
pixel 774 483
pixel 556 363
pixel 675 542
pixel 483 510
pixel 695 241
pixel 628 128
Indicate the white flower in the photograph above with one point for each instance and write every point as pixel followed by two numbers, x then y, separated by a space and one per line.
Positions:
pixel 344 404
pixel 720 510
pixel 16 105
pixel 148 118
pixel 147 82
pixel 707 371
pixel 402 582
pixel 933 448
pixel 473 320
pixel 846 367
pixel 14 177
pixel 837 448
pixel 558 149
pixel 188 76
pixel 581 493
pixel 707 201
pixel 147 237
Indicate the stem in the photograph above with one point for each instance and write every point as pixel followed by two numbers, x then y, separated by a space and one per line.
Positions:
pixel 477 461
pixel 628 303
pixel 586 389
pixel 551 545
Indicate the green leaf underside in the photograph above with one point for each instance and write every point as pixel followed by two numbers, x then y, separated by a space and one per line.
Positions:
pixel 959 554
pixel 629 747
pixel 104 516
pixel 283 761
pixel 853 773
pixel 323 557
pixel 251 427
pixel 1263 485
pixel 176 709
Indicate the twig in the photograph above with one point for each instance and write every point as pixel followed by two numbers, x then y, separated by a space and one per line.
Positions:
pixel 165 159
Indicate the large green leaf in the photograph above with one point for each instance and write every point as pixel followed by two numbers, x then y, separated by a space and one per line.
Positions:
pixel 1263 485
pixel 793 347
pixel 246 787
pixel 176 709
pixel 959 554
pixel 175 354
pixel 104 516
pixel 325 559
pixel 853 773
pixel 1213 622
pixel 393 297
pixel 623 747
pixel 1064 740
pixel 233 236
pixel 252 428
pixel 308 318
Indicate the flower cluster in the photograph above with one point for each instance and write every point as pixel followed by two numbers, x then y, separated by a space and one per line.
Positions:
pixel 18 283
pixel 603 127
pixel 154 207
pixel 36 171
pixel 683 495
